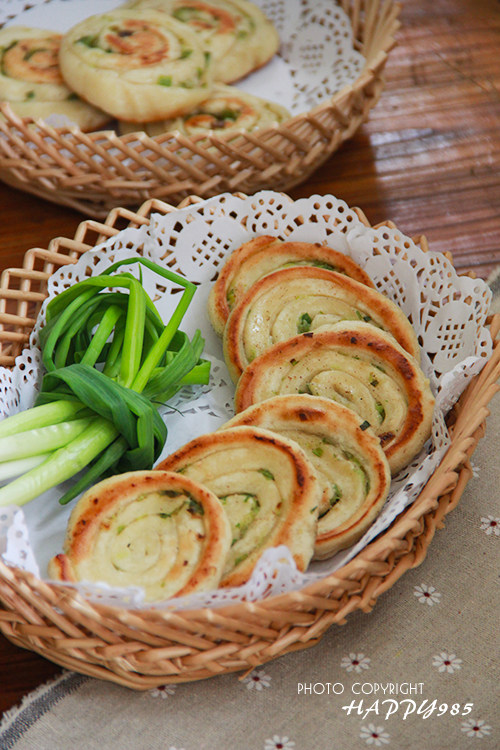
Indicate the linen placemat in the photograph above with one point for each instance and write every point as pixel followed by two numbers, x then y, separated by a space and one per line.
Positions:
pixel 420 671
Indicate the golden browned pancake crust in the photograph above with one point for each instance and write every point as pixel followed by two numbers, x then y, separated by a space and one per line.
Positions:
pixel 155 529
pixel 267 486
pixel 351 466
pixel 302 299
pixel 262 255
pixel 358 366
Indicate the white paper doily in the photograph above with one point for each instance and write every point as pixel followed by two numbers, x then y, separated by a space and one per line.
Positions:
pixel 316 59
pixel 448 312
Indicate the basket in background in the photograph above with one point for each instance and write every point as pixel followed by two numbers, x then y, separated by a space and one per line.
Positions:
pixel 93 172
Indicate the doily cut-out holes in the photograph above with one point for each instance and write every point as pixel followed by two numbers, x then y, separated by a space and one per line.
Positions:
pixel 448 313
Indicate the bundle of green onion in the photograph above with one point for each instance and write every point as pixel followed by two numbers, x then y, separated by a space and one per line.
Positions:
pixel 110 361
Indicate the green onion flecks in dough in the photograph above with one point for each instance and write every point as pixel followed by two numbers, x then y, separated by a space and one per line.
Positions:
pixel 301 300
pixel 359 366
pixel 227 109
pixel 351 466
pixel 263 255
pixel 138 65
pixel 268 489
pixel 236 33
pixel 31 81
pixel 153 529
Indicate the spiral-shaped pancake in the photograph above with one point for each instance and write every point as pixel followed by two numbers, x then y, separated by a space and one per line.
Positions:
pixel 360 367
pixel 267 486
pixel 350 464
pixel 154 529
pixel 301 299
pixel 227 109
pixel 138 65
pixel 31 81
pixel 260 257
pixel 236 33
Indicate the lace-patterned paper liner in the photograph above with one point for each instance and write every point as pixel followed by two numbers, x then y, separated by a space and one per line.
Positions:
pixel 15 547
pixel 317 57
pixel 317 46
pixel 448 313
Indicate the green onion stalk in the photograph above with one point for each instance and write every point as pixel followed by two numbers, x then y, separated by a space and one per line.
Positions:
pixel 109 362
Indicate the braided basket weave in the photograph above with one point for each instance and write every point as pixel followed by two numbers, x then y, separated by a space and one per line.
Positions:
pixel 142 649
pixel 93 172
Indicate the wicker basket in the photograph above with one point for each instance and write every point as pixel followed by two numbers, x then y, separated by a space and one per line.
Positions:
pixel 143 649
pixel 93 172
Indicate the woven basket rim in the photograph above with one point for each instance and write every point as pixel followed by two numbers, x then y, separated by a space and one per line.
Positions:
pixel 373 552
pixel 376 551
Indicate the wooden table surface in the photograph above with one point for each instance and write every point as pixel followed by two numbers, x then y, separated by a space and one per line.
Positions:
pixel 429 159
